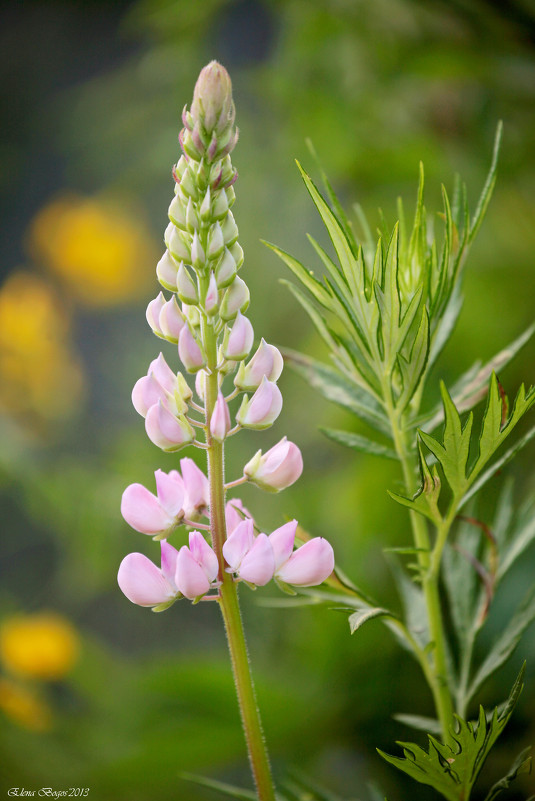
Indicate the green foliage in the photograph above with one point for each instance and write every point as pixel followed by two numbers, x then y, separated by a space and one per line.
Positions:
pixel 452 768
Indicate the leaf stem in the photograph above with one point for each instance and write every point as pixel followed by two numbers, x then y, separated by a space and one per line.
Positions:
pixel 429 563
pixel 228 599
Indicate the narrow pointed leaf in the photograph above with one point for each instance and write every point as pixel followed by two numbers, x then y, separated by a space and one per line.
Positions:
pixel 360 443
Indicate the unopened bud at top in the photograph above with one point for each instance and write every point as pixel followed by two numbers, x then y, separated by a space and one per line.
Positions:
pixel 212 98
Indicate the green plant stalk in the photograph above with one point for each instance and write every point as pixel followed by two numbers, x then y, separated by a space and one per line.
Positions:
pixel 228 601
pixel 427 561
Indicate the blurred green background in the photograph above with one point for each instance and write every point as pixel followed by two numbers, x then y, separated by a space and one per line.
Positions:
pixel 95 692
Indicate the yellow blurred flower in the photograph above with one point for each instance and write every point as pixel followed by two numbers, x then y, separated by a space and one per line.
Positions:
pixel 24 706
pixel 103 256
pixel 38 371
pixel 41 646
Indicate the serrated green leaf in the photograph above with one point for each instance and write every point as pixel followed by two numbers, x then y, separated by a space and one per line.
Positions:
pixel 472 386
pixel 358 619
pixel 452 768
pixel 497 466
pixel 522 764
pixel 506 643
pixel 413 369
pixel 359 443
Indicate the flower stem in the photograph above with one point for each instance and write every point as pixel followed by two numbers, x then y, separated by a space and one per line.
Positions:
pixel 228 600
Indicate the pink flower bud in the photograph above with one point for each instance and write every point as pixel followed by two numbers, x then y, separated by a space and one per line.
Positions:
pixel 258 564
pixel 235 299
pixel 232 515
pixel 167 431
pixel 239 341
pixel 263 408
pixel 309 565
pixel 166 271
pixel 145 584
pixel 186 289
pixel 238 543
pixel 267 361
pixel 163 373
pixel 220 419
pixel 212 98
pixel 216 242
pixel 198 256
pixel 190 351
pixel 176 244
pixel 196 567
pixel 277 469
pixel 153 314
pixel 146 392
pixel 229 230
pixel 226 269
pixel 197 489
pixel 171 320
pixel 211 304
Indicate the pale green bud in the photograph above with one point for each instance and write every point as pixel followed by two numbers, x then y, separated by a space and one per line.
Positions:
pixel 186 289
pixel 235 299
pixel 212 98
pixel 226 269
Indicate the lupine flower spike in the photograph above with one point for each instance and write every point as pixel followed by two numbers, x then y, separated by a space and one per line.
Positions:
pixel 204 319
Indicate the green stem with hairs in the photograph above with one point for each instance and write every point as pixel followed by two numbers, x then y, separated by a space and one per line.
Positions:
pixel 228 601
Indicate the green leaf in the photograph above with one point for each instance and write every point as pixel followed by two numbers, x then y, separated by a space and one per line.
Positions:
pixel 419 722
pixel 336 233
pixel 506 643
pixel 337 388
pixel 413 369
pixel 488 188
pixel 521 537
pixel 358 619
pixel 319 321
pixel 452 769
pixel 388 300
pixel 359 443
pixel 307 790
pixel 413 604
pixel 237 793
pixel 306 277
pixel 522 764
pixel 461 580
pixel 497 466
pixel 472 386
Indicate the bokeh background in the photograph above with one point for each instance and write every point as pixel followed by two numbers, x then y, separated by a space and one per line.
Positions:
pixel 95 692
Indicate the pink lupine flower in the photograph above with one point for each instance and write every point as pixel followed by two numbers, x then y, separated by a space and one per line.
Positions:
pixel 282 542
pixel 167 431
pixel 233 516
pixel 220 419
pixel 190 351
pixel 155 514
pixel 196 567
pixel 145 584
pixel 277 469
pixel 196 487
pixel 258 564
pixel 160 383
pixel 250 558
pixel 263 408
pixel 239 340
pixel 309 565
pixel 267 361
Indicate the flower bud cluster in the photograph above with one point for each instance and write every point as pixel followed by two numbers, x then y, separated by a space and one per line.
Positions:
pixel 205 320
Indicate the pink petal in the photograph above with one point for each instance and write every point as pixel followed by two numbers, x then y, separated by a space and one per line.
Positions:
pixel 147 391
pixel 239 543
pixel 142 582
pixel 204 555
pixel 169 557
pixel 170 490
pixel 234 518
pixel 220 419
pixel 165 430
pixel 309 565
pixel 190 578
pixel 258 565
pixel 163 374
pixel 142 510
pixel 282 541
pixel 196 486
